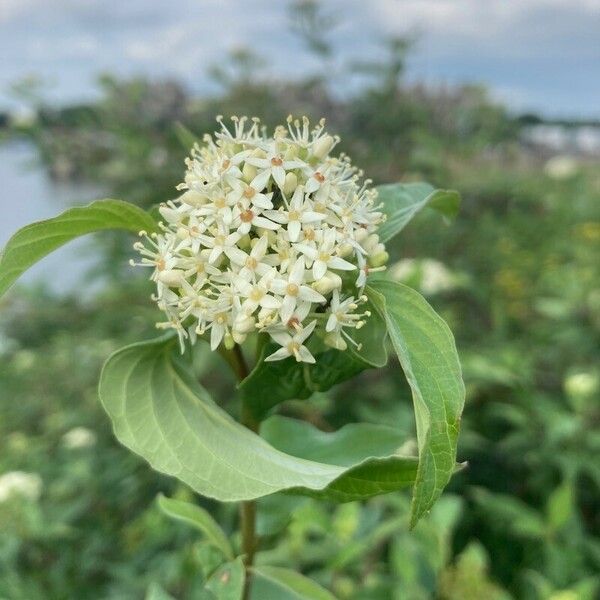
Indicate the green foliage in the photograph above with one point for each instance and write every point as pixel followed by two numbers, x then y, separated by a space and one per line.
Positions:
pixel 33 242
pixel 401 202
pixel 227 582
pixel 160 412
pixel 197 517
pixel 426 350
pixel 275 583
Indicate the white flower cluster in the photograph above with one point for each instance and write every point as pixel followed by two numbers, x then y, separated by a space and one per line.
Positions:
pixel 79 437
pixel 271 234
pixel 20 483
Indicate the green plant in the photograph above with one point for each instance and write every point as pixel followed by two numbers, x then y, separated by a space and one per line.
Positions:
pixel 256 256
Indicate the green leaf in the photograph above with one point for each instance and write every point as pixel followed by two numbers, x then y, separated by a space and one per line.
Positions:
pixel 276 583
pixel 227 582
pixel 427 353
pixel 371 338
pixel 402 201
pixel 156 592
pixel 345 447
pixel 560 505
pixel 274 513
pixel 197 517
pixel 33 242
pixel 271 383
pixel 161 413
pixel 348 448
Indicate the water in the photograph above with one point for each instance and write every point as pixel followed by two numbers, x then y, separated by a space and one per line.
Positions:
pixel 27 194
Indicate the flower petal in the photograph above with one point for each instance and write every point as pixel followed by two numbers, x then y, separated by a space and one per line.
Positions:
pixel 278 355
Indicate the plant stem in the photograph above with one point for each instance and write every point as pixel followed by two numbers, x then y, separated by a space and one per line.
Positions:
pixel 247 508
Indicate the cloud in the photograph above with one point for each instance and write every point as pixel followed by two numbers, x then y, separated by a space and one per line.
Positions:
pixel 545 49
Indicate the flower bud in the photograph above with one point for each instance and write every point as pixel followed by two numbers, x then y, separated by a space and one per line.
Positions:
pixel 329 282
pixel 169 214
pixel 245 242
pixel 271 236
pixel 379 259
pixel 171 277
pixel 228 341
pixel 370 243
pixel 345 250
pixel 266 316
pixel 238 338
pixel 290 184
pixel 322 146
pixel 335 340
pixel 248 172
pixel 244 324
pixel 377 249
pixel 361 235
pixel 193 198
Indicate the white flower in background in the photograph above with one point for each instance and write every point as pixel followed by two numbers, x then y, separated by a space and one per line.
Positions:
pixel 270 234
pixel 20 484
pixel 583 384
pixel 432 275
pixel 561 167
pixel 79 437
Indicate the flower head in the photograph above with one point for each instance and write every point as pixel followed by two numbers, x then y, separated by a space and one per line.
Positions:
pixel 270 235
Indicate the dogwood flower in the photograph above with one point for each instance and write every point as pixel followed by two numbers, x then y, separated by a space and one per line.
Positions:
pixel 269 236
pixel 298 212
pixel 323 256
pixel 292 345
pixel 276 166
pixel 293 290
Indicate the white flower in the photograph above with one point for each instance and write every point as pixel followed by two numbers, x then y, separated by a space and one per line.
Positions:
pixel 19 483
pixel 276 166
pixel 342 314
pixel 252 192
pixel 246 217
pixel 250 264
pixel 220 242
pixel 293 290
pixel 219 327
pixel 79 437
pixel 292 345
pixel 259 238
pixel 257 294
pixel 299 211
pixel 323 256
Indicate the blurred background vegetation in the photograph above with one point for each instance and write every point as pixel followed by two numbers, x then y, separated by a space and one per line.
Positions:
pixel 517 277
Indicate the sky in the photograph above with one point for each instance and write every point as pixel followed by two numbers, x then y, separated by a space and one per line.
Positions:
pixel 540 55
